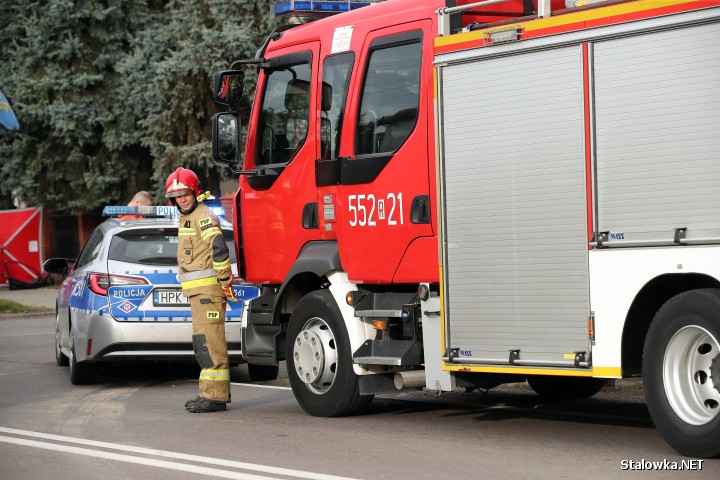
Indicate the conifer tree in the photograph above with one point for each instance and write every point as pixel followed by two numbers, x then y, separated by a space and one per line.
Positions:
pixel 112 95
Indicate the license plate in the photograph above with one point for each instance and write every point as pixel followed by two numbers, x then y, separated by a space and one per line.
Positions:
pixel 170 298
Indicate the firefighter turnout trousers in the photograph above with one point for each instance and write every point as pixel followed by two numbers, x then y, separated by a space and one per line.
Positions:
pixel 210 346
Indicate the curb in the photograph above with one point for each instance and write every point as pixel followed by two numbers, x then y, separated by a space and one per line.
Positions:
pixel 12 316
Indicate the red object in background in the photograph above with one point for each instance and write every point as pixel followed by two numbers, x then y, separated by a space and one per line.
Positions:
pixel 21 247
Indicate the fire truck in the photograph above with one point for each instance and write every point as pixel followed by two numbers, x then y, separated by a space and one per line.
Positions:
pixel 445 194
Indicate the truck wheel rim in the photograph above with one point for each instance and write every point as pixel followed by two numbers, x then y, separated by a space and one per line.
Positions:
pixel 687 375
pixel 315 355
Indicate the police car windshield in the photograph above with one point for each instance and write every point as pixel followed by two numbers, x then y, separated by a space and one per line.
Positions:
pixel 152 246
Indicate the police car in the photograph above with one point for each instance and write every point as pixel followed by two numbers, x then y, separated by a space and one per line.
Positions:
pixel 122 300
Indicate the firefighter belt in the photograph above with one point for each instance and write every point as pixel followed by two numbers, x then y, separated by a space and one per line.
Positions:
pixel 210 346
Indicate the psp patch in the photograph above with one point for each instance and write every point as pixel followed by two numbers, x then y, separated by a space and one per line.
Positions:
pixel 205 223
pixel 214 315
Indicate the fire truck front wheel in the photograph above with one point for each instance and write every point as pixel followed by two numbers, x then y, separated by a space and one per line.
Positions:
pixel 319 361
pixel 681 372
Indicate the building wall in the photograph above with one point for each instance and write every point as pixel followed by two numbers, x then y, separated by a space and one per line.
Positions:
pixel 65 235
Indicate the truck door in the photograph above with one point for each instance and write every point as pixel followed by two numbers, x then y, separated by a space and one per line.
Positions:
pixel 384 163
pixel 282 148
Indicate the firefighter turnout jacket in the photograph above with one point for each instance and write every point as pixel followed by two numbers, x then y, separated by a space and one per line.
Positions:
pixel 203 256
pixel 204 268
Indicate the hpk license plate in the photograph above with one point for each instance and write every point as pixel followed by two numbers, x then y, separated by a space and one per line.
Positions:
pixel 170 298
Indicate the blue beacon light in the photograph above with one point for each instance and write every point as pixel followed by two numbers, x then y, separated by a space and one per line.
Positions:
pixel 314 7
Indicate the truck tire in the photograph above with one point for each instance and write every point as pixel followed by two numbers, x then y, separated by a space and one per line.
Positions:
pixel 263 373
pixel 565 388
pixel 319 360
pixel 80 373
pixel 681 372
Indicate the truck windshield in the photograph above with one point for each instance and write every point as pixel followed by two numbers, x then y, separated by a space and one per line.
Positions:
pixel 284 118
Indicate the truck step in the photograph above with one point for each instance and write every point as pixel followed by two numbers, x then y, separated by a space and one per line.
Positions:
pixel 389 352
pixel 378 360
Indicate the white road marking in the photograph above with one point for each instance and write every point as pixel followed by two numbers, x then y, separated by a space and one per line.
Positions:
pixel 275 387
pixel 158 453
pixel 131 459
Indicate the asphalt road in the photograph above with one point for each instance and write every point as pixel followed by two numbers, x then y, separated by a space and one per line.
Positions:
pixel 132 424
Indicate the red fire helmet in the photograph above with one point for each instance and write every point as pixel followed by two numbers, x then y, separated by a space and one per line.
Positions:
pixel 180 181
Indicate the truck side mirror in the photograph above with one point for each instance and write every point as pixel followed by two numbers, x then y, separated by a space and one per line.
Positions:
pixel 226 137
pixel 229 87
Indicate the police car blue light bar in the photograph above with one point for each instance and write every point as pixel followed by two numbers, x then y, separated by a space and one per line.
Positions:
pixel 159 211
pixel 314 8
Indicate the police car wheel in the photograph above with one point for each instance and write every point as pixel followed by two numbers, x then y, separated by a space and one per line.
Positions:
pixel 679 362
pixel 80 373
pixel 319 360
pixel 60 357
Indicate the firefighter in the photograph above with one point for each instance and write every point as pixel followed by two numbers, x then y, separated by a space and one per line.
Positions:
pixel 206 279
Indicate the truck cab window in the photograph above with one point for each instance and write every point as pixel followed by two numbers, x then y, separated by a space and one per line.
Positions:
pixel 390 98
pixel 284 118
pixel 335 81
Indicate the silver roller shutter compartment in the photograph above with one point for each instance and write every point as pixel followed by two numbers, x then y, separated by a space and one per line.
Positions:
pixel 658 135
pixel 515 242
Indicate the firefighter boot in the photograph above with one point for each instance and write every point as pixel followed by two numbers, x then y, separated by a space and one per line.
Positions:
pixel 203 405
pixel 197 399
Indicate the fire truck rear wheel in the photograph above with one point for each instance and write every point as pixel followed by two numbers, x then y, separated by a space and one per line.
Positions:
pixel 561 388
pixel 319 360
pixel 681 351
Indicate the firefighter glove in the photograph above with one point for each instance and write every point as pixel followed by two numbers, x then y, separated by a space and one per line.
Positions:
pixel 230 294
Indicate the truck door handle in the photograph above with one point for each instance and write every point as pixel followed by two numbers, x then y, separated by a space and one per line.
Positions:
pixel 420 209
pixel 310 216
